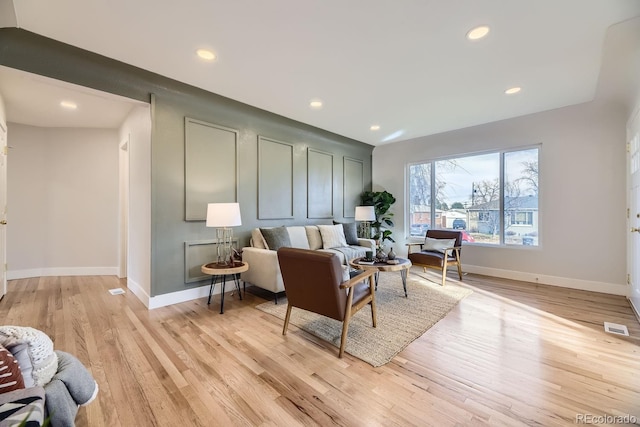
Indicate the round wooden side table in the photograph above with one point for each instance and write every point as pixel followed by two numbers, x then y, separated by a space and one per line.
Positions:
pixel 219 272
pixel 402 266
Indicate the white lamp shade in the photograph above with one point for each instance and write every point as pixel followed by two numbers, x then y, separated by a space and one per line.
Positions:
pixel 223 215
pixel 365 213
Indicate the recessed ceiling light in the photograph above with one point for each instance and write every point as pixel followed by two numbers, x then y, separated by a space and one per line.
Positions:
pixel 206 54
pixel 513 90
pixel 478 32
pixel 315 103
pixel 69 105
pixel 375 127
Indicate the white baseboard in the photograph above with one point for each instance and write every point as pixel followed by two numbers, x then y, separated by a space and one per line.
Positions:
pixel 564 282
pixel 182 296
pixel 165 299
pixel 138 291
pixel 635 305
pixel 62 271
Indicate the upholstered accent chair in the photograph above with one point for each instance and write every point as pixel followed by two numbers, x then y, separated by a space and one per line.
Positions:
pixel 440 249
pixel 315 281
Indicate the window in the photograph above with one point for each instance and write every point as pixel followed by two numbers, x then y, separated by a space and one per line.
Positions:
pixel 521 218
pixel 493 197
pixel 420 199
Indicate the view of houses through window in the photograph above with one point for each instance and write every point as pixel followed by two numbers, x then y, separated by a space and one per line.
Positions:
pixel 492 198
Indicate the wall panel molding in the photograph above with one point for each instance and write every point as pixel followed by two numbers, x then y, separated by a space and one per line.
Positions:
pixel 211 166
pixel 275 179
pixel 196 254
pixel 353 185
pixel 320 183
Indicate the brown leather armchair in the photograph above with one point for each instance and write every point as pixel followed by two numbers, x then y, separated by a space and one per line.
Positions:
pixel 440 258
pixel 313 281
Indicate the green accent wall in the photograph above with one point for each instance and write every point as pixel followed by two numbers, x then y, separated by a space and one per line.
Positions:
pixel 172 102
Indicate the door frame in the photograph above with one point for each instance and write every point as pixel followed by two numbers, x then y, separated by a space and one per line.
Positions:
pixel 123 213
pixel 4 147
pixel 633 212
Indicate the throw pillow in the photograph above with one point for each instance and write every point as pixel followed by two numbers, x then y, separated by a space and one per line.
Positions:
pixel 314 237
pixel 33 350
pixel 276 237
pixel 10 374
pixel 25 407
pixel 350 232
pixel 298 237
pixel 332 236
pixel 438 245
pixel 257 239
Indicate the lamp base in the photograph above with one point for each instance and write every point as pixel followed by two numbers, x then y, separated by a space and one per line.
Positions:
pixel 365 230
pixel 224 238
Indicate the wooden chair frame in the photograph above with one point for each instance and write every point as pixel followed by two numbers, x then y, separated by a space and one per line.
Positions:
pixel 446 261
pixel 350 309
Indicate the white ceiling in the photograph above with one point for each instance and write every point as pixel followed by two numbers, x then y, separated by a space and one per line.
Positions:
pixel 35 100
pixel 404 65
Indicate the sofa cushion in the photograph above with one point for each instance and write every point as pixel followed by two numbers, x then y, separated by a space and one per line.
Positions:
pixel 298 237
pixel 438 245
pixel 332 236
pixel 10 374
pixel 314 237
pixel 350 232
pixel 276 237
pixel 257 240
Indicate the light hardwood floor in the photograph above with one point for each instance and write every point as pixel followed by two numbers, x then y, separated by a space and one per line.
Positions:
pixel 510 354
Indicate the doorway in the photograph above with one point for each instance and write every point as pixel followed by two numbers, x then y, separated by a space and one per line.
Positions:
pixel 124 207
pixel 634 218
pixel 3 209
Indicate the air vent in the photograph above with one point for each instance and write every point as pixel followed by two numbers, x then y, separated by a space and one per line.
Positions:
pixel 614 328
pixel 120 291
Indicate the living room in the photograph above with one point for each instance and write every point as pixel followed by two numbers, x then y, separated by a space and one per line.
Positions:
pixel 582 157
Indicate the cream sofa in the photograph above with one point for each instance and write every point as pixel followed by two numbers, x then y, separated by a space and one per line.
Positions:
pixel 264 270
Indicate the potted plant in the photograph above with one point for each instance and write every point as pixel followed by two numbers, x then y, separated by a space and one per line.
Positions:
pixel 381 201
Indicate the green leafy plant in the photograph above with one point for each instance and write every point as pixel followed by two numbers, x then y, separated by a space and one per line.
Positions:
pixel 46 423
pixel 381 202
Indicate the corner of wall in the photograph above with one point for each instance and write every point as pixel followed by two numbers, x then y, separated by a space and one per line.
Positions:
pixel 8 17
pixel 3 114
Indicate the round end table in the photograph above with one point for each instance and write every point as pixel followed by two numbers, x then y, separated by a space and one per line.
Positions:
pixel 219 272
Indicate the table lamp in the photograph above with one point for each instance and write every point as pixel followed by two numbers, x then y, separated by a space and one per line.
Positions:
pixel 224 216
pixel 365 214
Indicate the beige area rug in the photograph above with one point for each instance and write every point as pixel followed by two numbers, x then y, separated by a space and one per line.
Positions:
pixel 400 320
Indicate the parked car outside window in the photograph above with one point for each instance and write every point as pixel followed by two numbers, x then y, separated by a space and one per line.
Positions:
pixel 459 224
pixel 418 229
pixel 466 237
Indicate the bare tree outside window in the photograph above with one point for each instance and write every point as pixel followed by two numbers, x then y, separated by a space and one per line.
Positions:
pixel 467 191
pixel 521 197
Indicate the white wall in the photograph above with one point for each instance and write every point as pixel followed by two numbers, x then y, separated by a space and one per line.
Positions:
pixel 137 129
pixel 3 114
pixel 62 202
pixel 582 194
pixel 633 259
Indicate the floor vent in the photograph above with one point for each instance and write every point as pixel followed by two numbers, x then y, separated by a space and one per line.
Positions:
pixel 614 328
pixel 120 291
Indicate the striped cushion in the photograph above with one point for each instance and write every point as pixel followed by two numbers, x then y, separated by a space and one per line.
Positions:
pixel 332 236
pixel 10 374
